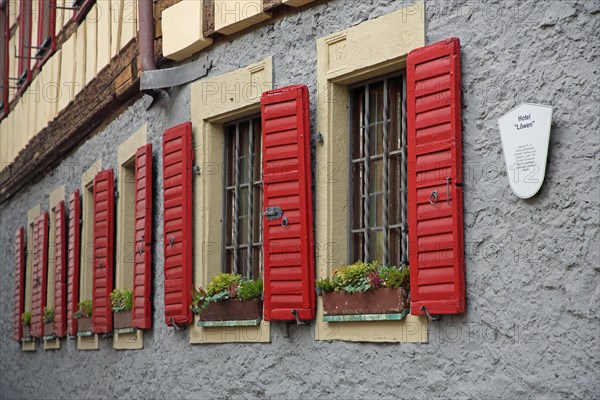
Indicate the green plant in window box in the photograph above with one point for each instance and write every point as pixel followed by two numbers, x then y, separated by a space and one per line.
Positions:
pixel 84 316
pixel 121 303
pixel 48 321
pixel 228 297
pixel 365 288
pixel 26 319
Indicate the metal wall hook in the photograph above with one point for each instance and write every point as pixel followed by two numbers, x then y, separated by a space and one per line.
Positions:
pixel 433 197
pixel 172 241
pixel 177 327
pixel 429 316
pixel 298 322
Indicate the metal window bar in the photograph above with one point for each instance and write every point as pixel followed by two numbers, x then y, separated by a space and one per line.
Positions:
pixel 250 197
pixel 364 127
pixel 403 178
pixel 236 194
pixel 366 145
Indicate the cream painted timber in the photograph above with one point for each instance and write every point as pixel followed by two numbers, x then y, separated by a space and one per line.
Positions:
pixel 128 22
pixel 214 102
pixel 182 30
pixel 80 58
pixel 116 16
pixel 125 224
pixel 91 44
pixel 35 17
pixel 344 58
pixel 51 91
pixel 3 144
pixel 235 15
pixel 55 197
pixel 67 73
pixel 12 63
pixel 103 34
pixel 87 237
pixel 296 3
pixel 13 13
pixel 31 215
pixel 60 17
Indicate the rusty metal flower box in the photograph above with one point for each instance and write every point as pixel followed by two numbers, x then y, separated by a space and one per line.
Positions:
pixel 233 310
pixel 122 319
pixel 377 301
pixel 84 324
pixel 48 329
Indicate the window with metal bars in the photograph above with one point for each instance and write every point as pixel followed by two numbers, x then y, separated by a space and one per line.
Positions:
pixel 24 53
pixel 378 210
pixel 46 40
pixel 243 199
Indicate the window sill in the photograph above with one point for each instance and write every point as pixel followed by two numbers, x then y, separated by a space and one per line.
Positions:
pixel 216 324
pixel 366 317
pixel 85 334
pixel 125 330
pixel 27 339
pixel 49 337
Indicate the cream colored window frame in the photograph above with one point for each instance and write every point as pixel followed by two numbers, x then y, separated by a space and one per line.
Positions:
pixel 369 50
pixel 87 247
pixel 214 102
pixel 31 215
pixel 125 211
pixel 56 197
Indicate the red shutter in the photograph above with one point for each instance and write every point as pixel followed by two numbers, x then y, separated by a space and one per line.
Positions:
pixel 19 283
pixel 60 262
pixel 289 251
pixel 40 271
pixel 74 250
pixel 177 175
pixel 142 275
pixel 104 222
pixel 437 275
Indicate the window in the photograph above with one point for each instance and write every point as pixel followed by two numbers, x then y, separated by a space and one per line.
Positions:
pixel 4 36
pixel 46 40
pixel 24 53
pixel 378 163
pixel 243 198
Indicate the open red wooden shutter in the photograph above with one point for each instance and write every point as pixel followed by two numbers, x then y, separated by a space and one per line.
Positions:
pixel 104 222
pixel 60 273
pixel 142 275
pixel 40 272
pixel 288 238
pixel 177 176
pixel 435 214
pixel 19 283
pixel 74 250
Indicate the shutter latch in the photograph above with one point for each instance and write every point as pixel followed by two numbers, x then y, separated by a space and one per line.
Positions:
pixel 317 137
pixel 196 170
pixel 273 213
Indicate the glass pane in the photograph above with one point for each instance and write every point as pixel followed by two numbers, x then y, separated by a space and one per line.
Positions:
pixel 376 210
pixel 357 246
pixel 358 98
pixel 357 196
pixel 395 189
pixel 376 246
pixel 394 247
pixel 395 99
pixel 376 176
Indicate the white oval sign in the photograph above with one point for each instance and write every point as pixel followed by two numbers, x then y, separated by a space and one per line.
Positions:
pixel 525 134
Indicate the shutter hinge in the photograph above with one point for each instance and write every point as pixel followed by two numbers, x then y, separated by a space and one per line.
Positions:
pixel 116 194
pixel 196 170
pixel 317 138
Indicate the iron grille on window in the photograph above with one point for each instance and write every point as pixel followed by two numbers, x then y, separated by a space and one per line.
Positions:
pixel 378 213
pixel 243 196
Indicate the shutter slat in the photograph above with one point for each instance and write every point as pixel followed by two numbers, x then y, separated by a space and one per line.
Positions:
pixel 103 256
pixel 177 205
pixel 73 262
pixel 19 306
pixel 40 274
pixel 60 273
pixel 287 184
pixel 437 274
pixel 142 275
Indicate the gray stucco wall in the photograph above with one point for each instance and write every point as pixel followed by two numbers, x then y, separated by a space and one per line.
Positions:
pixel 532 323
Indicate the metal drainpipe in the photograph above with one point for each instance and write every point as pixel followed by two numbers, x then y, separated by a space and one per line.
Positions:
pixel 146 18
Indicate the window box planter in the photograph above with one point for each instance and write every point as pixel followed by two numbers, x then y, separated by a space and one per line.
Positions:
pixel 26 332
pixel 84 324
pixel 48 329
pixel 377 301
pixel 122 320
pixel 233 310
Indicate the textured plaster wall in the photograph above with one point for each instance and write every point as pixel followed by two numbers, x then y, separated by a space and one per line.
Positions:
pixel 532 323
